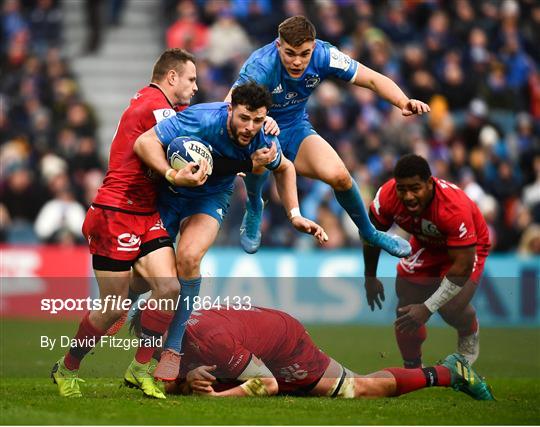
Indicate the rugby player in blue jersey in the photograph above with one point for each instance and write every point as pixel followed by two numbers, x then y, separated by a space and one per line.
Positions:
pixel 291 67
pixel 233 130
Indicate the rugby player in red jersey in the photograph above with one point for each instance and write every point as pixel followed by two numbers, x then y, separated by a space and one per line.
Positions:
pixel 124 231
pixel 263 352
pixel 450 242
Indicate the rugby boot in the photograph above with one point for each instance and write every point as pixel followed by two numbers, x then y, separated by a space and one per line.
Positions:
pixel 67 381
pixel 394 245
pixel 465 379
pixel 168 367
pixel 250 230
pixel 138 376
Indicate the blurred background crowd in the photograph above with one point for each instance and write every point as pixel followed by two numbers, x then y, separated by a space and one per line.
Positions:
pixel 475 62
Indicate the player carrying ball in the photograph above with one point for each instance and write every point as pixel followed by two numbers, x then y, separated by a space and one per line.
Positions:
pixel 450 244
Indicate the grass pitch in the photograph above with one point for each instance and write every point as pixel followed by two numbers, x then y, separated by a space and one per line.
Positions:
pixel 510 359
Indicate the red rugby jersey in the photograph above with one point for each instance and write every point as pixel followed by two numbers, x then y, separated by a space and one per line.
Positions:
pixel 450 220
pixel 227 338
pixel 129 184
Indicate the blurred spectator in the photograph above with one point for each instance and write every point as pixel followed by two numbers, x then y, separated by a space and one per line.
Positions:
pixel 45 26
pixel 187 32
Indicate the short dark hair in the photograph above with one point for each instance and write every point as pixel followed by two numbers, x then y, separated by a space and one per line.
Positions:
pixel 297 30
pixel 411 165
pixel 252 95
pixel 171 59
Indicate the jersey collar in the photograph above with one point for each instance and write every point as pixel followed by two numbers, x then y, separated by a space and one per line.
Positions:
pixel 155 86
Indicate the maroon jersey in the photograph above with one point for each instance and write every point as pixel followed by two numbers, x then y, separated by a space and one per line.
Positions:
pixel 228 338
pixel 450 220
pixel 129 184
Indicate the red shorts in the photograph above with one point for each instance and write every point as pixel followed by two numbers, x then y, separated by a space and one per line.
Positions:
pixel 120 235
pixel 302 368
pixel 426 265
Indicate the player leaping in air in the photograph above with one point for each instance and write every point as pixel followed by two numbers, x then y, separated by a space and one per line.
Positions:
pixel 224 355
pixel 450 242
pixel 291 67
pixel 233 130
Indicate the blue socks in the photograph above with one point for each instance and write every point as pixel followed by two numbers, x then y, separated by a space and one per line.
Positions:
pixel 189 289
pixel 352 202
pixel 254 186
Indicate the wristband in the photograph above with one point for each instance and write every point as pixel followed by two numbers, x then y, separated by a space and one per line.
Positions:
pixel 294 212
pixel 168 176
pixel 254 387
pixel 447 290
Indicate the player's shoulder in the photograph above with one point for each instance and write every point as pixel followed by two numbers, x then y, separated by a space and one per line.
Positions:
pixel 263 59
pixel 449 195
pixel 385 201
pixel 205 109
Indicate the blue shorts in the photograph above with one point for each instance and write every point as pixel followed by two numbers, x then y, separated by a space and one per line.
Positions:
pixel 290 137
pixel 173 209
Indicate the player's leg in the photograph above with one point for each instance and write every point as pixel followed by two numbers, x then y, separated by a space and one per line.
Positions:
pixel 410 343
pixel 113 286
pixel 455 372
pixel 461 315
pixel 157 267
pixel 318 160
pixel 250 230
pixel 198 233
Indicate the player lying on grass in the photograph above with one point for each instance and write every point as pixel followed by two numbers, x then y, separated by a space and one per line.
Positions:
pixel 292 67
pixel 263 352
pixel 450 243
pixel 233 130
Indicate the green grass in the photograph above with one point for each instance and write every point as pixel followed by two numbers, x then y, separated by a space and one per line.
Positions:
pixel 510 359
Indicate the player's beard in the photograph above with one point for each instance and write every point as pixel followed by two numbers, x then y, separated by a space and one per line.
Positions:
pixel 235 135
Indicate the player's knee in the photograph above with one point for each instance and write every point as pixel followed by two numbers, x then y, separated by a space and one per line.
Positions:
pixel 341 180
pixel 189 263
pixel 168 289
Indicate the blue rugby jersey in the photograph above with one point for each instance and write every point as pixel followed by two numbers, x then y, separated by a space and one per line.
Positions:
pixel 208 122
pixel 290 95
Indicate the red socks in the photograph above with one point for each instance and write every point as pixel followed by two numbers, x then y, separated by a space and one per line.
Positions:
pixel 87 338
pixel 410 346
pixel 408 380
pixel 153 325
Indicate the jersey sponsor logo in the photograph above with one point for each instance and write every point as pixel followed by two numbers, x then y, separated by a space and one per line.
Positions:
pixel 430 229
pixel 462 230
pixel 163 113
pixel 410 263
pixel 291 95
pixel 312 81
pixel 277 89
pixel 128 242
pixel 339 59
pixel 293 373
pixel 137 95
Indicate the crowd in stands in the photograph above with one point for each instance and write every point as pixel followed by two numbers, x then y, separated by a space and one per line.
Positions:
pixel 475 62
pixel 49 163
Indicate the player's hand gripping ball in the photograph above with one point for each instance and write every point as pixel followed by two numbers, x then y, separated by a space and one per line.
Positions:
pixel 185 149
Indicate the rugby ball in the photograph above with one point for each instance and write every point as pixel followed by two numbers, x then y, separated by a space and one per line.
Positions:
pixel 185 149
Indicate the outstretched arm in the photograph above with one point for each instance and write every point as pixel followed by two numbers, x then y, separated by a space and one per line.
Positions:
pixel 374 287
pixel 389 90
pixel 285 176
